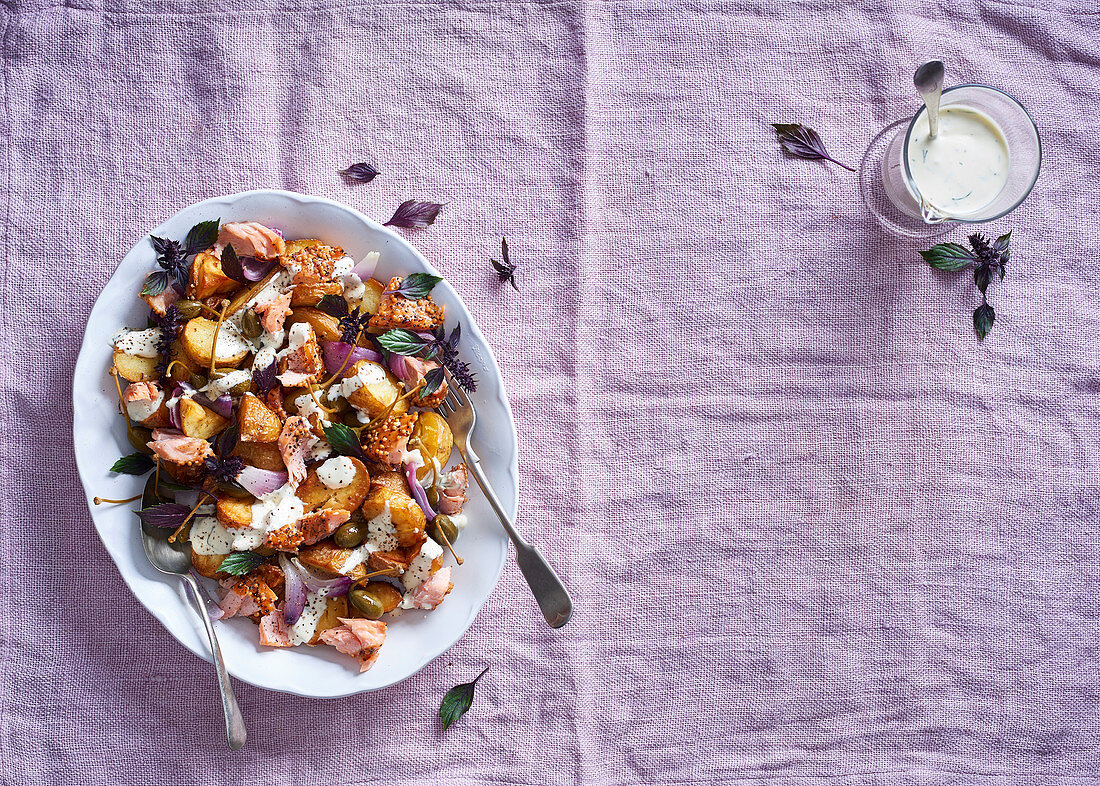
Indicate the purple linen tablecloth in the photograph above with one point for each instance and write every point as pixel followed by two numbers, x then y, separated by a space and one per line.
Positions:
pixel 817 533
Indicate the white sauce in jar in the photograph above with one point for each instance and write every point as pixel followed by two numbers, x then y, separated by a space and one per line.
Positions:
pixel 337 473
pixel 964 167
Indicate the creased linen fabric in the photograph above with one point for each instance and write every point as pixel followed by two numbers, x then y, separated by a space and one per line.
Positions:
pixel 816 532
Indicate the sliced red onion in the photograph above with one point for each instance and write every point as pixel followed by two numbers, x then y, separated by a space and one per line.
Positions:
pixel 223 405
pixel 399 368
pixel 365 268
pixel 334 588
pixel 258 482
pixel 295 591
pixel 254 269
pixel 336 353
pixel 417 490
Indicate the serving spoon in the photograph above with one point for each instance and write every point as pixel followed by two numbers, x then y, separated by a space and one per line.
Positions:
pixel 175 561
pixel 929 83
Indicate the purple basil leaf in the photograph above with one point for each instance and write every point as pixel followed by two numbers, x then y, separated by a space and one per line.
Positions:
pixel 360 173
pixel 412 214
pixel 432 380
pixel 333 305
pixel 167 515
pixel 155 283
pixel 265 378
pixel 804 142
pixel 231 264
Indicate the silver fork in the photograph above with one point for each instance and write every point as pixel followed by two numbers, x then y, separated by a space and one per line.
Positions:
pixel 547 588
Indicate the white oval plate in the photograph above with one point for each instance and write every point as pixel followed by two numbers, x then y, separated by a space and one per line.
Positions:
pixel 413 639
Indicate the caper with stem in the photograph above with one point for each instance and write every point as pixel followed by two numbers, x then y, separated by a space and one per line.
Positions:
pixel 140 438
pixel 443 526
pixel 365 602
pixel 189 309
pixel 250 324
pixel 198 381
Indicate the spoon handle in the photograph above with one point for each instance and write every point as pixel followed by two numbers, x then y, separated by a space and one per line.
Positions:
pixel 234 721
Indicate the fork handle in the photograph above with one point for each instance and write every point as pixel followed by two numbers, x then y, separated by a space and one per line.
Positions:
pixel 549 592
pixel 234 720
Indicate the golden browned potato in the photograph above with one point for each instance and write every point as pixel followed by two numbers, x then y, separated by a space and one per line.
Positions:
pixel 379 391
pixel 334 609
pixel 407 517
pixel 316 495
pixel 262 455
pixel 327 556
pixel 208 564
pixel 256 422
pixel 389 478
pixel 198 421
pixel 387 594
pixel 372 295
pixel 294 246
pixel 197 339
pixel 432 436
pixel 133 368
pixel 234 513
pixel 208 279
pixel 393 561
pixel 326 326
pixel 310 294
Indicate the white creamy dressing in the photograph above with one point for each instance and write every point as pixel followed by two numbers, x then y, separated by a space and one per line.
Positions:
pixel 277 509
pixel 319 449
pixel 964 167
pixel 139 410
pixel 306 625
pixel 337 473
pixel 421 566
pixel 358 556
pixel 139 343
pixel 459 520
pixel 381 536
pixel 366 373
pixel 354 289
pixel 307 405
pixel 299 335
pixel 209 537
pixel 219 387
pixel 342 266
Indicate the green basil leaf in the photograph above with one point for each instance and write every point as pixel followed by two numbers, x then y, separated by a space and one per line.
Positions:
pixel 416 286
pixel 457 700
pixel 983 320
pixel 432 380
pixel 401 342
pixel 240 563
pixel 343 440
pixel 949 256
pixel 134 464
pixel 155 283
pixel 202 236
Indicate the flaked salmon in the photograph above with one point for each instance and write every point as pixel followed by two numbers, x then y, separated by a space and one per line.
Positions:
pixel 362 639
pixel 251 239
pixel 294 442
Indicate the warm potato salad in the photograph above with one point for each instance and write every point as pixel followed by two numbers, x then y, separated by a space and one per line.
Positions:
pixel 283 402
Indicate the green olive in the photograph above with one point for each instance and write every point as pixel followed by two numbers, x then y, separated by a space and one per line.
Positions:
pixel 433 496
pixel 250 324
pixel 366 603
pixel 198 381
pixel 443 526
pixel 349 535
pixel 189 309
pixel 241 387
pixel 140 438
pixel 231 488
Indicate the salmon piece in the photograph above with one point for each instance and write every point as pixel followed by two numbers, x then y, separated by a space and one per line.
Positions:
pixel 274 401
pixel 160 303
pixel 273 630
pixel 452 492
pixel 302 362
pixel 389 441
pixel 429 594
pixel 362 639
pixel 307 530
pixel 185 451
pixel 415 371
pixel 396 311
pixel 294 441
pixel 316 264
pixel 145 404
pixel 251 239
pixel 273 312
pixel 237 601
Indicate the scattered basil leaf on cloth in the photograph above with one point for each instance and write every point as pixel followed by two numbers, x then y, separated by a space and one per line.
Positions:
pixel 134 464
pixel 985 258
pixel 458 700
pixel 412 214
pixel 803 142
pixel 505 269
pixel 240 562
pixel 360 173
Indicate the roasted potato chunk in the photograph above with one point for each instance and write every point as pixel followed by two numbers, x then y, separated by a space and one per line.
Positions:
pixel 234 513
pixel 304 364
pixel 208 278
pixel 327 556
pixel 326 326
pixel 294 246
pixel 198 421
pixel 311 294
pixel 408 519
pixel 208 564
pixel 393 561
pixel 389 479
pixel 316 495
pixel 197 340
pixel 432 437
pixel 134 368
pixel 371 296
pixel 334 609
pixel 257 423
pixel 380 389
pixel 262 455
